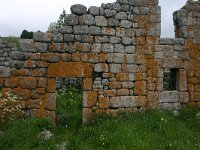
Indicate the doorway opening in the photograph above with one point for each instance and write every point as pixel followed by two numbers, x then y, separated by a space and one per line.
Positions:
pixel 69 95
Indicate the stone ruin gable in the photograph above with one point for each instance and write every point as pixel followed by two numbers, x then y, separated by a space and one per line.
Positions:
pixel 117 52
pixel 187 26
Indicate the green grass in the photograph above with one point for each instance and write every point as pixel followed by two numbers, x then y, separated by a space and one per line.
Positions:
pixel 150 130
pixel 13 39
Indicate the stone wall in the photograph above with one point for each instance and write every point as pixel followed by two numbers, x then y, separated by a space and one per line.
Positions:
pixel 117 52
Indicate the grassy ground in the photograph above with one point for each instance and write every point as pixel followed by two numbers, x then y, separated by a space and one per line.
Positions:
pixel 151 130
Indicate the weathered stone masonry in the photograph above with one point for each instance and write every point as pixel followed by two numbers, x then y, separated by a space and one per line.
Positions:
pixel 117 51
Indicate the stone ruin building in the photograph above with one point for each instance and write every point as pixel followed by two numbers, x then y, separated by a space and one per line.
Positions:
pixel 117 52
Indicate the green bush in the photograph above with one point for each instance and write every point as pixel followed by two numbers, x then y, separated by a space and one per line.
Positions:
pixel 13 39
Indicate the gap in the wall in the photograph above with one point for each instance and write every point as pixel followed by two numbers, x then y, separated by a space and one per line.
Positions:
pixel 167 9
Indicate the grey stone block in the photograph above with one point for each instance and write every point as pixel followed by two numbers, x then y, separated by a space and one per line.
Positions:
pixel 66 30
pixel 68 37
pixel 123 102
pixel 78 38
pixel 107 48
pixel 94 10
pixel 41 47
pixel 27 45
pixel 116 6
pixel 169 97
pixel 87 39
pixel 102 39
pixel 113 22
pixel 101 21
pixel 4 71
pixel 110 13
pixel 130 32
pixel 81 29
pixel 16 64
pixel 121 16
pixel 42 37
pixel 126 24
pixel 96 48
pixel 119 48
pixel 115 40
pixel 101 67
pixel 115 68
pixel 131 68
pixel 71 20
pixel 130 49
pixel 19 56
pixel 125 8
pixel 1 43
pixel 184 97
pixel 58 37
pixel 130 58
pixel 95 30
pixel 133 18
pixel 78 9
pixel 118 58
pixel 144 10
pixel 88 19
pixel 126 41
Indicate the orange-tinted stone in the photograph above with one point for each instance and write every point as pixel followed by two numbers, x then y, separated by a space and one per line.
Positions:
pixel 103 102
pixel 40 90
pixel 89 98
pixel 87 84
pixel 193 80
pixel 102 57
pixel 110 92
pixel 6 91
pixel 152 100
pixel 35 56
pixel 38 72
pixel 197 88
pixel 29 64
pixel 41 64
pixel 114 85
pixel 182 80
pixel 140 88
pixel 88 69
pixel 87 115
pixel 11 82
pixel 22 72
pixel 141 101
pixel 71 69
pixel 24 94
pixel 100 111
pixel 1 81
pixel 28 83
pixel 138 76
pixel 51 57
pixel 51 85
pixel 122 77
pixel 35 95
pixel 42 82
pixel 40 113
pixel 195 96
pixel 52 47
pixel 76 56
pixel 123 92
pixel 190 87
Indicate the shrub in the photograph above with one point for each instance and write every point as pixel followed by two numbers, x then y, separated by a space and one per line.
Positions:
pixel 10 107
